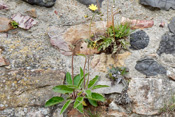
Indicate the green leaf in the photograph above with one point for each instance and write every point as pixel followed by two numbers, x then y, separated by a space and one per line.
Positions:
pixel 68 78
pixel 62 89
pixel 80 108
pixel 97 97
pixel 78 101
pixel 93 102
pixel 93 81
pixel 81 73
pixel 79 93
pixel 77 79
pixel 66 105
pixel 88 93
pixel 53 101
pixel 99 86
pixel 80 82
pixel 72 86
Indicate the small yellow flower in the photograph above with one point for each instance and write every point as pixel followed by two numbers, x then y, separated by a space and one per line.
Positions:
pixel 94 44
pixel 93 7
pixel 86 16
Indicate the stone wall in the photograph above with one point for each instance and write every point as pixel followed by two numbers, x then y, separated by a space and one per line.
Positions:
pixel 33 66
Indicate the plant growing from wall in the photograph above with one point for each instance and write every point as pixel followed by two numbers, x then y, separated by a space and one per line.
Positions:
pixel 115 37
pixel 76 90
pixel 117 74
pixel 14 24
pixel 113 40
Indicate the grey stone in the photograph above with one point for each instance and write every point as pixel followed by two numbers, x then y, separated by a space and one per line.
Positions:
pixel 150 94
pixel 168 60
pixel 167 44
pixel 139 40
pixel 171 25
pixel 26 112
pixel 45 3
pixel 162 4
pixel 114 106
pixel 89 2
pixel 28 87
pixel 149 67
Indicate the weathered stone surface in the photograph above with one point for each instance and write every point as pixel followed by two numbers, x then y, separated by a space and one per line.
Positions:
pixel 162 4
pixel 167 59
pixel 171 74
pixel 31 49
pixel 149 67
pixel 45 3
pixel 103 61
pixel 24 22
pixel 3 6
pixel 2 60
pixel 117 114
pixel 137 24
pixel 114 106
pixel 121 98
pixel 117 88
pixel 64 38
pixel 57 113
pixel 3 35
pixel 167 44
pixel 26 112
pixel 28 87
pixel 89 2
pixel 139 40
pixel 5 24
pixel 32 13
pixel 150 94
pixel 171 25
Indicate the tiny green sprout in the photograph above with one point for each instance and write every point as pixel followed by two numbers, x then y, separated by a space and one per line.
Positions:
pixel 14 24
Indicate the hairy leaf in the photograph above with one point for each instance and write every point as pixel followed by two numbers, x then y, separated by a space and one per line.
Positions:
pixel 68 78
pixel 80 108
pixel 97 97
pixel 88 93
pixel 79 93
pixel 77 79
pixel 72 86
pixel 81 72
pixel 66 105
pixel 78 101
pixel 63 89
pixel 99 86
pixel 54 101
pixel 93 102
pixel 93 81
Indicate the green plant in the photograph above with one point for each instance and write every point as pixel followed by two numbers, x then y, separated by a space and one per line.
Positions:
pixel 90 114
pixel 170 107
pixel 14 24
pixel 117 74
pixel 113 40
pixel 76 92
pixel 119 31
